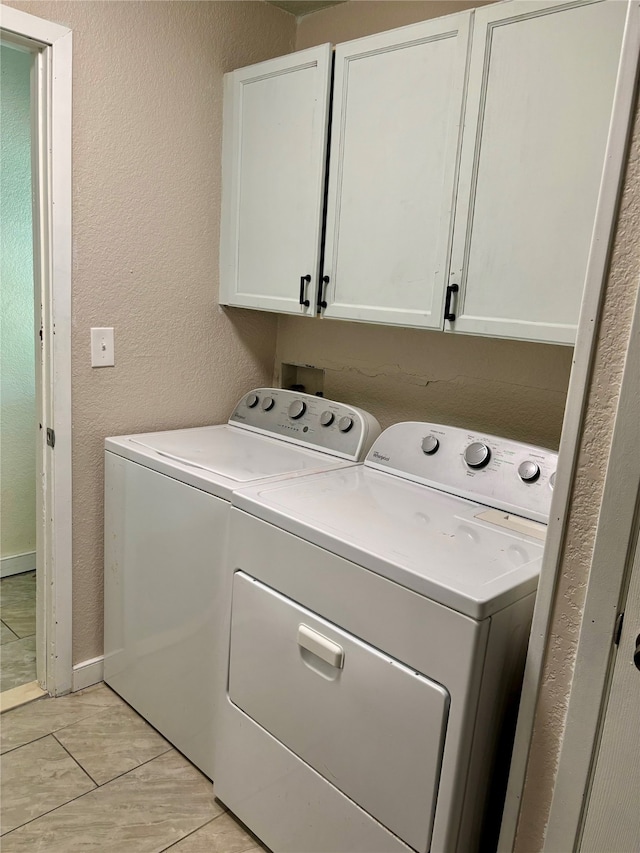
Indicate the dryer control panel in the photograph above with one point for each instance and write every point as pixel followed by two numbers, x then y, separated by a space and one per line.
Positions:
pixel 497 472
pixel 314 422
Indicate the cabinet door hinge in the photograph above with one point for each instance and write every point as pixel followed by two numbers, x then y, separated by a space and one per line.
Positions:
pixel 617 631
pixel 51 437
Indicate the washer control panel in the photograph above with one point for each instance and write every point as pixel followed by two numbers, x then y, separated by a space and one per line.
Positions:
pixel 500 473
pixel 304 419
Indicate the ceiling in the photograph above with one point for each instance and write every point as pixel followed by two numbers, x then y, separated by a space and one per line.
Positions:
pixel 299 8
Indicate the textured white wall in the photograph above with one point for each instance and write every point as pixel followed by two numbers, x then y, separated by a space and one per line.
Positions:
pixel 363 17
pixel 502 387
pixel 17 344
pixel 147 121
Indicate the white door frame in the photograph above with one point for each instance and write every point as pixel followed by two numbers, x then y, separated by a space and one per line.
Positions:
pixel 51 110
pixel 574 418
pixel 605 600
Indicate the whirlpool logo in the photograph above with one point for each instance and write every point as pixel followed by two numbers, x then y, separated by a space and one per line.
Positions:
pixel 377 455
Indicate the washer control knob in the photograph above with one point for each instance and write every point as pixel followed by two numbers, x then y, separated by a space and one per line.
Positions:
pixel 327 418
pixel 552 480
pixel 297 409
pixel 477 455
pixel 252 401
pixel 430 444
pixel 268 403
pixel 528 471
pixel 345 423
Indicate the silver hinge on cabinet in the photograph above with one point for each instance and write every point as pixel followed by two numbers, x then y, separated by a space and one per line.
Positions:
pixel 51 437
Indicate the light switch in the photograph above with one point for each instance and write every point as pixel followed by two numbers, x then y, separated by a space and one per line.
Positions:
pixel 102 348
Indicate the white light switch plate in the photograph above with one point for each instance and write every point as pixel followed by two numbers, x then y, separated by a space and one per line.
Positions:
pixel 102 348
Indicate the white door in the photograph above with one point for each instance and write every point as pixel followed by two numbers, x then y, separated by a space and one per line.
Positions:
pixel 274 152
pixel 396 119
pixel 612 823
pixel 541 85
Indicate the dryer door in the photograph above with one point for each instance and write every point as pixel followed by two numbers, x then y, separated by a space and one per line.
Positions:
pixel 368 724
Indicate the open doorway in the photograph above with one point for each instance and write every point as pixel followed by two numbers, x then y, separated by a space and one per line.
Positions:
pixel 18 410
pixel 36 527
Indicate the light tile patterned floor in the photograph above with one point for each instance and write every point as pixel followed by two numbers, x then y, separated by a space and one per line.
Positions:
pixel 85 773
pixel 17 630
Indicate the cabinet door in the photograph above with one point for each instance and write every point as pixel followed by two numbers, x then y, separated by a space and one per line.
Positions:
pixel 274 150
pixel 396 116
pixel 541 86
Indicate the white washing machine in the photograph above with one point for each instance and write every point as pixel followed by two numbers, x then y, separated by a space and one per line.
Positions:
pixel 376 639
pixel 166 516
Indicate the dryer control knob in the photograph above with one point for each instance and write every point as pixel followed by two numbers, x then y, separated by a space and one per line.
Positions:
pixel 528 471
pixel 327 418
pixel 252 401
pixel 268 403
pixel 430 444
pixel 345 423
pixel 477 455
pixel 297 409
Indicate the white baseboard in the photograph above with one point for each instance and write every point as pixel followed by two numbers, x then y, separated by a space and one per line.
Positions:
pixel 87 673
pixel 17 564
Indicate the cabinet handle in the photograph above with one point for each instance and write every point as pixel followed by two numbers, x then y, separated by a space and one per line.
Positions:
pixel 322 303
pixel 304 280
pixel 448 314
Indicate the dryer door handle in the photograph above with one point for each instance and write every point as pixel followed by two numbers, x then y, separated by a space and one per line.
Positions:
pixel 321 646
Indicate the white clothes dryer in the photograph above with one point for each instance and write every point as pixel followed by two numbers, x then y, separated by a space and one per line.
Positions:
pixel 374 666
pixel 166 515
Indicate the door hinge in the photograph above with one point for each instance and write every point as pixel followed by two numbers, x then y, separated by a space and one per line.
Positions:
pixel 617 631
pixel 51 437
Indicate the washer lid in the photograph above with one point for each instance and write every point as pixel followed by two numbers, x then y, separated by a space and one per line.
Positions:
pixel 219 458
pixel 438 545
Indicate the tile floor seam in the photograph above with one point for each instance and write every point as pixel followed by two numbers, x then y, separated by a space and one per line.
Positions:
pixel 126 772
pixel 80 796
pixel 197 829
pixel 77 762
pixel 63 806
pixel 44 814
pixel 18 637
pixel 51 811
pixel 110 708
pixel 142 763
pixel 73 810
pixel 28 743
pixel 254 845
pixel 58 728
pixel 18 615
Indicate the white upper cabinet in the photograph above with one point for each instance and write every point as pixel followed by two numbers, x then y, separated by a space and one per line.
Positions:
pixel 463 176
pixel 274 157
pixel 542 77
pixel 397 107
